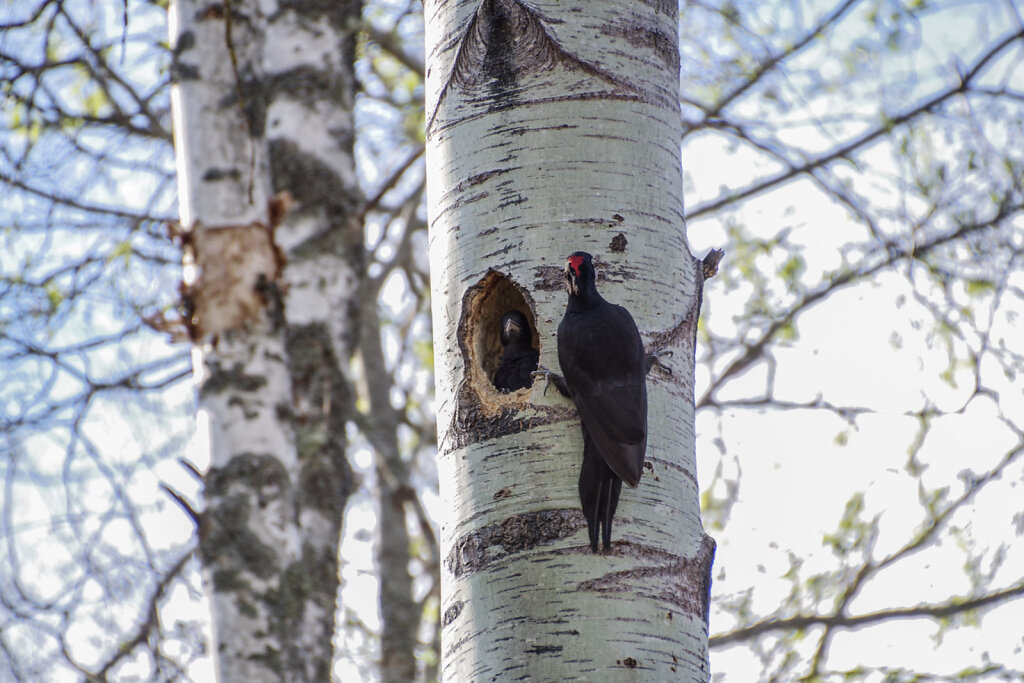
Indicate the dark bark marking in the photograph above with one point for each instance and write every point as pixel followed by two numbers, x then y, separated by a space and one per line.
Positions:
pixel 679 581
pixel 341 14
pixel 222 379
pixel 618 243
pixel 570 97
pixel 551 278
pixel 452 613
pixel 512 201
pixel 215 174
pixel 185 42
pixel 651 461
pixel 476 550
pixel 229 548
pixel 504 41
pixel 666 47
pixel 670 8
pixel 180 71
pixel 479 178
pixel 543 649
pixel 316 187
pixel 519 130
pixel 548 278
pixel 311 579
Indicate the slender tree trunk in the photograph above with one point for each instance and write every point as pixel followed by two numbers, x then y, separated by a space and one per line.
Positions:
pixel 263 130
pixel 399 612
pixel 555 127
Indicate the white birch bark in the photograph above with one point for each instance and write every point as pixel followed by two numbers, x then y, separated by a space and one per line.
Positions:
pixel 554 127
pixel 263 122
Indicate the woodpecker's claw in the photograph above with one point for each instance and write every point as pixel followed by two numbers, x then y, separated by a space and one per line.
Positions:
pixel 552 378
pixel 542 371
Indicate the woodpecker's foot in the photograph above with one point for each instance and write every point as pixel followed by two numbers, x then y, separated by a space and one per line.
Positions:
pixel 552 378
pixel 654 359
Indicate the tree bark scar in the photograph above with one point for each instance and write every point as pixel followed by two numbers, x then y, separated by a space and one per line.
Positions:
pixel 505 41
pixel 677 580
pixel 481 411
pixel 452 613
pixel 472 424
pixel 479 548
pixel 499 23
pixel 231 259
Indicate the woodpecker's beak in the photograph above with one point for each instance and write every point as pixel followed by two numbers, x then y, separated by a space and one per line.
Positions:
pixel 570 280
pixel 511 325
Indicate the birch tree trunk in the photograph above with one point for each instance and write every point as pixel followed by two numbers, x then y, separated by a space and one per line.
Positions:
pixel 263 123
pixel 555 127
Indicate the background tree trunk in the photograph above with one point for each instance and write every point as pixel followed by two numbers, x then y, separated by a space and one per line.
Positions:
pixel 554 127
pixel 264 129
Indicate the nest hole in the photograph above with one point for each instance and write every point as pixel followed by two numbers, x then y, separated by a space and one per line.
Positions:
pixel 483 307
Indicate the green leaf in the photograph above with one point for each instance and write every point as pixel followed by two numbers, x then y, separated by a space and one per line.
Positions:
pixel 122 251
pixel 979 287
pixel 55 296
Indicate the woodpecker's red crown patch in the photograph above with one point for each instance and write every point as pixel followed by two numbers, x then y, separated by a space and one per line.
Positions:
pixel 576 262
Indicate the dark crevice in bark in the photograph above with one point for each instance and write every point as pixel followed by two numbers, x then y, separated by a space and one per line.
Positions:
pixel 452 613
pixel 220 379
pixel 670 8
pixel 662 44
pixel 226 544
pixel 473 424
pixel 708 546
pixel 341 14
pixel 478 549
pixel 507 40
pixel 680 581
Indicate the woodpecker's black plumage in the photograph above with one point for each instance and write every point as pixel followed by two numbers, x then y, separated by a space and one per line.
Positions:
pixel 519 359
pixel 604 367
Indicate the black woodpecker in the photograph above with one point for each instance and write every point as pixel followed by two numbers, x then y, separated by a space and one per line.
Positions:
pixel 519 359
pixel 604 367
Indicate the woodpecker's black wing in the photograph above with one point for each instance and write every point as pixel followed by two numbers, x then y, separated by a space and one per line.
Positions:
pixel 516 369
pixel 603 362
